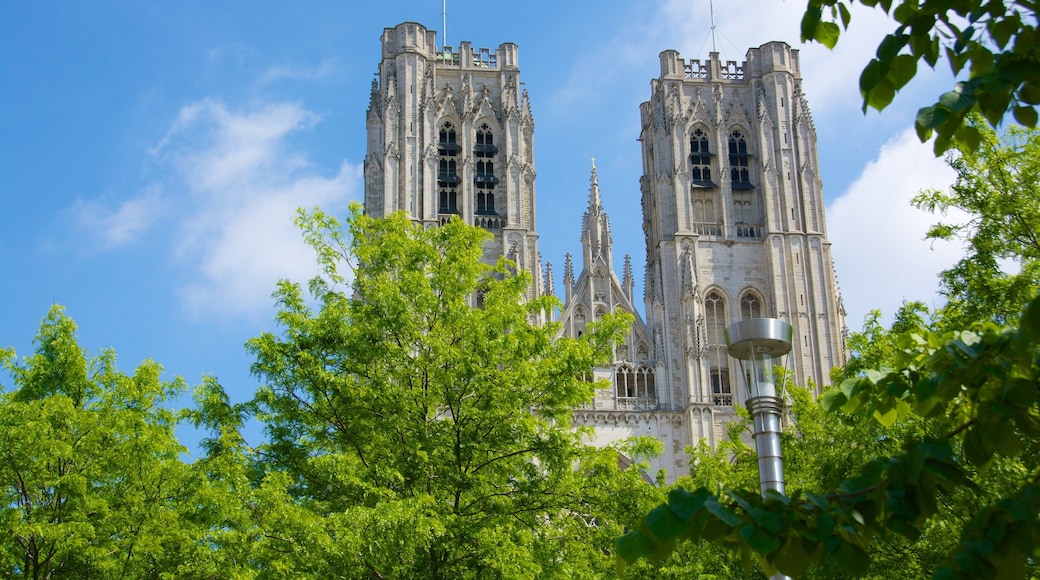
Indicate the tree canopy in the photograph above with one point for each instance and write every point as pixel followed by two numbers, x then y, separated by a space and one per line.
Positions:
pixel 423 411
pixel 995 42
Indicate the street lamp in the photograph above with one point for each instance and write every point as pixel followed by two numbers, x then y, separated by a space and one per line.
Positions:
pixel 756 343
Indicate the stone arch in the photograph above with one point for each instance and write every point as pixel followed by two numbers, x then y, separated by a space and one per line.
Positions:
pixel 752 304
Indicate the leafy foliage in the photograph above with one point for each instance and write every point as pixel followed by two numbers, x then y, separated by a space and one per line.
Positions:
pixel 997 191
pixel 996 42
pixel 976 394
pixel 91 482
pixel 429 436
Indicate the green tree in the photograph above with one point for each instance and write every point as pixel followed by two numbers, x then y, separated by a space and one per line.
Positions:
pixel 967 469
pixel 424 436
pixel 91 481
pixel 998 193
pixel 996 42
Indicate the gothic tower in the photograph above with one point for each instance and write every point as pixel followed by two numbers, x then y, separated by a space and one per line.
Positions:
pixel 733 219
pixel 450 135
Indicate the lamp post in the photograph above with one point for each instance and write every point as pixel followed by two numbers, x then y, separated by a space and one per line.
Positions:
pixel 756 343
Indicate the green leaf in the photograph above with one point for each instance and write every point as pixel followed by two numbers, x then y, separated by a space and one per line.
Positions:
pixel 663 524
pixel 1029 93
pixel 793 559
pixel 851 559
pixel 870 77
pixel 881 95
pixel 686 504
pixel 721 512
pixel 634 545
pixel 890 46
pixel 968 138
pixel 902 69
pixel 810 21
pixel 959 99
pixel 886 413
pixel 1029 326
pixel 758 539
pixel 827 34
pixel 1002 29
pixel 1002 437
pixel 1025 116
pixel 843 11
pixel 976 449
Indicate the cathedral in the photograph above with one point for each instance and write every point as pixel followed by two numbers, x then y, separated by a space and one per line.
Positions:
pixel 733 218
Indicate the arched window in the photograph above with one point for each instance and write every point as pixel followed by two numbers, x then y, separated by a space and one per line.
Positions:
pixel 738 161
pixel 485 201
pixel 484 151
pixel 449 202
pixel 718 365
pixel 700 159
pixel 635 387
pixel 447 170
pixel 446 143
pixel 704 220
pixel 750 306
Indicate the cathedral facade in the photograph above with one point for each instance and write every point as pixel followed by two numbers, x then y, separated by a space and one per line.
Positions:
pixel 733 218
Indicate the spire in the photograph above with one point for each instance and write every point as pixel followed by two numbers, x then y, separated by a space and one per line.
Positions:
pixel 594 200
pixel 627 283
pixel 568 277
pixel 549 289
pixel 595 231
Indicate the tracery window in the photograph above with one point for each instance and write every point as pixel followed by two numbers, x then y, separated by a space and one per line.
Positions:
pixel 704 221
pixel 484 151
pixel 700 159
pixel 446 144
pixel 447 170
pixel 750 306
pixel 718 365
pixel 745 216
pixel 738 161
pixel 635 383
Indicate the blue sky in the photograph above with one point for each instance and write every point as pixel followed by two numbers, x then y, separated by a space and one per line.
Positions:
pixel 152 153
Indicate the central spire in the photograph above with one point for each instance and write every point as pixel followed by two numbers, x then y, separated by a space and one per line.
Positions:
pixel 595 235
pixel 595 205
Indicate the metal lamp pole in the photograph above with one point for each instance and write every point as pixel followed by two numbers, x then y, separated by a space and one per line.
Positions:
pixel 756 343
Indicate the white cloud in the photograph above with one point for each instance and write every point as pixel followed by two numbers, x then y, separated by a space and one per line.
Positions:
pixel 879 249
pixel 122 225
pixel 240 183
pixel 282 73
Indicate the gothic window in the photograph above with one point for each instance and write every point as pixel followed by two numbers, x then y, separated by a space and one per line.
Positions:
pixel 447 170
pixel 750 306
pixel 635 383
pixel 485 142
pixel 700 159
pixel 738 161
pixel 485 201
pixel 704 221
pixel 721 393
pixel 715 327
pixel 484 179
pixel 745 216
pixel 446 144
pixel 448 201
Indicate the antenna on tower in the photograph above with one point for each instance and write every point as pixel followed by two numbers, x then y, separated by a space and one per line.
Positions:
pixel 711 5
pixel 444 23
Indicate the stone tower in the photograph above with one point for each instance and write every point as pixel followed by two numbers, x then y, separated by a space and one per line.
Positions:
pixel 450 135
pixel 734 225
